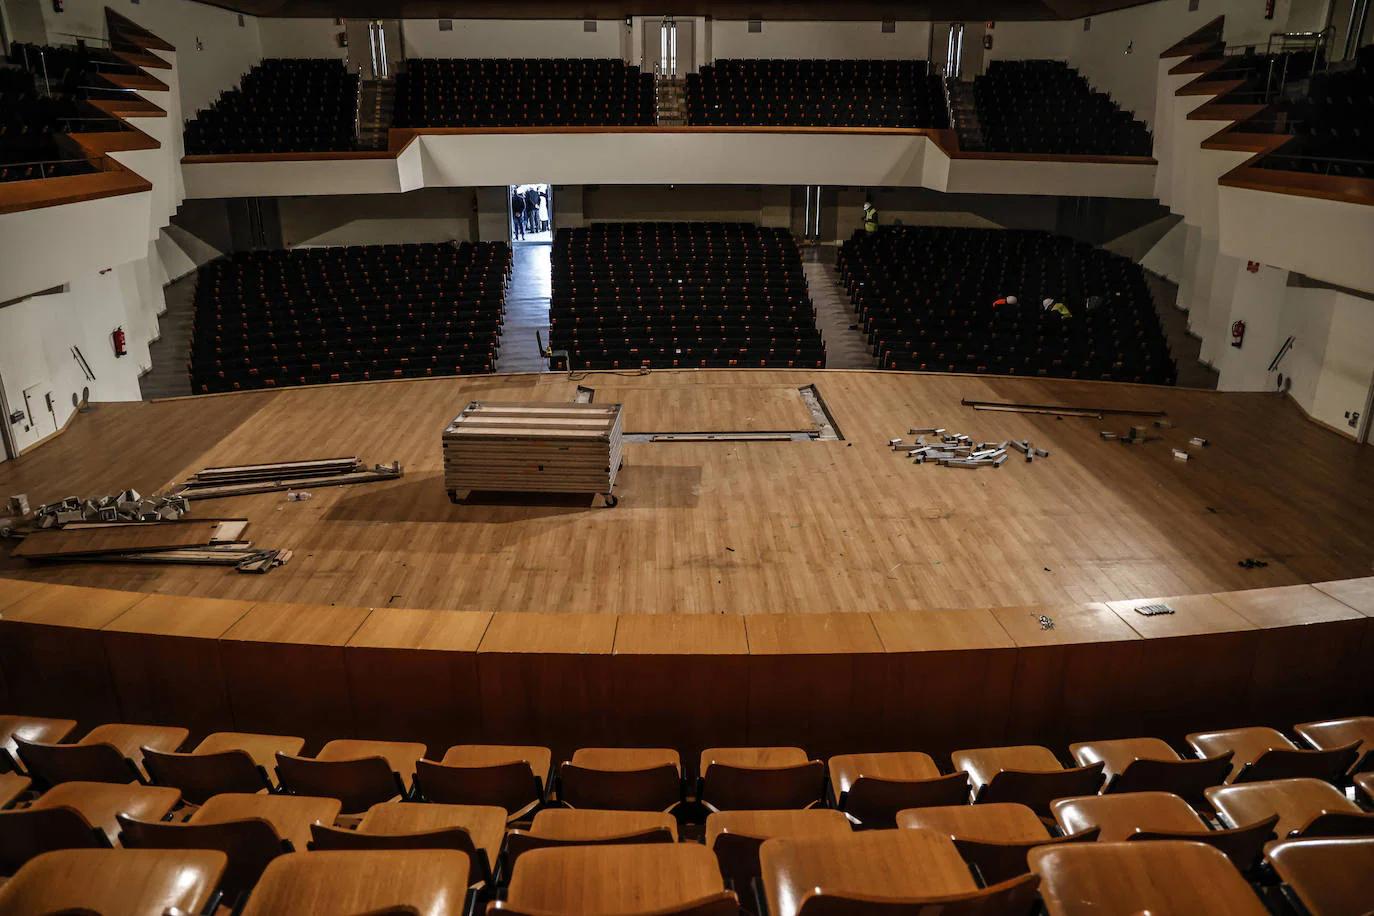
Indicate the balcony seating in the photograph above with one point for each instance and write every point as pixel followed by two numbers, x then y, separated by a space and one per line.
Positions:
pixel 31 122
pixel 1044 106
pixel 681 295
pixel 267 319
pixel 523 93
pixel 281 106
pixel 816 93
pixel 1333 123
pixel 925 298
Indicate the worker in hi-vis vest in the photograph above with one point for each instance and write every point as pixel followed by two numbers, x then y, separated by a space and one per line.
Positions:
pixel 870 217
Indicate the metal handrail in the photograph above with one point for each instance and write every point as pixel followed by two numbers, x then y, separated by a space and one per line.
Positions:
pixel 77 35
pixel 43 164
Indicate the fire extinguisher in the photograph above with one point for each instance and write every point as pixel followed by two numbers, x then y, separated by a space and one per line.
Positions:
pixel 1237 334
pixel 121 343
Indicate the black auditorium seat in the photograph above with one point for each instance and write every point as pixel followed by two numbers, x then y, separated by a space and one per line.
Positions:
pixel 476 92
pixel 925 299
pixel 45 92
pixel 1045 106
pixel 267 319
pixel 282 105
pixel 1333 124
pixel 817 93
pixel 681 295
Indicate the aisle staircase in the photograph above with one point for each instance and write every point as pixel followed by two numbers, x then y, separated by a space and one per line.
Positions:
pixel 672 101
pixel 963 114
pixel 376 102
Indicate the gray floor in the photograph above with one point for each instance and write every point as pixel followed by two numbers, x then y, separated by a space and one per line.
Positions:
pixel 1183 346
pixel 845 348
pixel 527 308
pixel 170 352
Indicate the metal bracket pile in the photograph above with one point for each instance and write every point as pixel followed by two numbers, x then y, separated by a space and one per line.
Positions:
pixel 958 450
pixel 125 506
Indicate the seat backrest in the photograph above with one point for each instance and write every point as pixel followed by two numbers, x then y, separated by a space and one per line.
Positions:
pixel 724 903
pixel 1037 790
pixel 31 831
pixel 653 789
pixel 200 776
pixel 512 786
pixel 1338 823
pixel 731 788
pixel 250 844
pixel 519 842
pixel 324 837
pixel 875 802
pixel 1010 898
pixel 55 763
pixel 1284 763
pixel 998 862
pixel 1184 778
pixel 357 784
pixel 1242 845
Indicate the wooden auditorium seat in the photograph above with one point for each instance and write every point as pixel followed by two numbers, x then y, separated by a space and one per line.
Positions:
pixel 30 832
pixel 998 862
pixel 250 845
pixel 114 882
pixel 357 773
pixel 109 753
pixel 620 879
pixel 291 816
pixel 995 822
pixel 872 788
pixel 759 778
pixel 1151 765
pixel 1329 877
pixel 351 881
pixel 735 838
pixel 510 777
pixel 555 827
pixel 476 831
pixel 223 762
pixel 621 779
pixel 1297 802
pixel 1331 734
pixel 1262 753
pixel 34 729
pixel 1027 774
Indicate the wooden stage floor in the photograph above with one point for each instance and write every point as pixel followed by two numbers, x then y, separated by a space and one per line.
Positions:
pixel 746 527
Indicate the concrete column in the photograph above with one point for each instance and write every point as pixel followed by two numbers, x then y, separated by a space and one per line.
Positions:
pixel 567 206
pixel 775 206
pixel 493 214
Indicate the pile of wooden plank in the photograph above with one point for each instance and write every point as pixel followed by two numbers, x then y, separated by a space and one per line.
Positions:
pixel 533 447
pixel 248 479
pixel 200 542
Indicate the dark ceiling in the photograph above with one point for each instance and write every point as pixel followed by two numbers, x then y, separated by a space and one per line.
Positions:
pixel 920 10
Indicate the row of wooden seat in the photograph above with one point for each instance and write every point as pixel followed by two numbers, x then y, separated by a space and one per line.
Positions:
pixel 363 795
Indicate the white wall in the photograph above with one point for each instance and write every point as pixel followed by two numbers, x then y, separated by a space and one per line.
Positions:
pixel 1026 40
pixel 228 50
pixel 316 38
pixel 511 38
pixel 429 215
pixel 731 38
pixel 37 334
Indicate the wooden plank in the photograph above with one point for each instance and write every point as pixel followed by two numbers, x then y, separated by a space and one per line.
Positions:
pixel 53 544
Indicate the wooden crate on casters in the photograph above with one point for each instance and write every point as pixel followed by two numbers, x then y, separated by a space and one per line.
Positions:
pixel 532 447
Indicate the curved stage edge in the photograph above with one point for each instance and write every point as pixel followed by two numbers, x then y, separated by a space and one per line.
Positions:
pixel 831 683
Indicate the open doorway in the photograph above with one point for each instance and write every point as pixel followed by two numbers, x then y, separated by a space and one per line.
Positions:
pixel 531 213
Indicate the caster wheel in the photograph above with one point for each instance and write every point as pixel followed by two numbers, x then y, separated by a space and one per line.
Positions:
pixel 609 500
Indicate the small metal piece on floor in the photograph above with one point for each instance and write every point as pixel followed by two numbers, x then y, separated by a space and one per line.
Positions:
pixel 1197 442
pixel 1046 622
pixel 1180 455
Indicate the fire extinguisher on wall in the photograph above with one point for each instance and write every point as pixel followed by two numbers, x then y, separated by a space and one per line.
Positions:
pixel 1237 334
pixel 121 343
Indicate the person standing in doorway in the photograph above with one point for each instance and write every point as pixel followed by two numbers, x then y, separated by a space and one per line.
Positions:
pixel 531 206
pixel 517 214
pixel 870 216
pixel 542 211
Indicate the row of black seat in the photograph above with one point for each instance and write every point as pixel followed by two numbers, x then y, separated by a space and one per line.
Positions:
pixel 1333 123
pixel 935 299
pixel 817 93
pixel 305 316
pixel 281 106
pixel 1045 106
pixel 44 94
pixel 523 93
pixel 677 295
